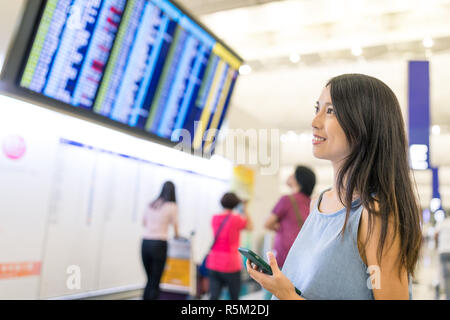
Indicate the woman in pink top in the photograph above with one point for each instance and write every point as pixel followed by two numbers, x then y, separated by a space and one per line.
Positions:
pixel 291 211
pixel 161 213
pixel 224 261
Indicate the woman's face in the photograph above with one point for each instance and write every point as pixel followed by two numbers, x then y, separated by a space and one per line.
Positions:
pixel 329 141
pixel 292 183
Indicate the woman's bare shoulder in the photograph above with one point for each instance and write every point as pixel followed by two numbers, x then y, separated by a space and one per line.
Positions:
pixel 314 199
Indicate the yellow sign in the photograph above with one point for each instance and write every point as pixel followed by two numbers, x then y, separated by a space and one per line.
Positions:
pixel 177 272
pixel 226 55
pixel 243 181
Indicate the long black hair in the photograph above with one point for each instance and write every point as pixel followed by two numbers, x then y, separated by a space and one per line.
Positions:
pixel 167 195
pixel 377 167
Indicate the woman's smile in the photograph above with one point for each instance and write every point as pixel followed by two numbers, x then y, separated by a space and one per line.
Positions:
pixel 317 140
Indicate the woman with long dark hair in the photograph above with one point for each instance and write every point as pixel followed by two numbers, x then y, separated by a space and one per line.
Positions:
pixel 363 236
pixel 159 214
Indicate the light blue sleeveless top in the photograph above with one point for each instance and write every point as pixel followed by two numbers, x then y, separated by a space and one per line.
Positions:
pixel 324 265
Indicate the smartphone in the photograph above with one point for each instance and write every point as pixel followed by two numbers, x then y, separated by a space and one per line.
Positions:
pixel 260 263
pixel 256 259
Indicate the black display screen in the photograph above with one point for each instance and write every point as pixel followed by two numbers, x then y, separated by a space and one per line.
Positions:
pixel 142 63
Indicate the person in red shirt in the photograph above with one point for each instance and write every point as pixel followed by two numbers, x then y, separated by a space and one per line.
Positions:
pixel 224 262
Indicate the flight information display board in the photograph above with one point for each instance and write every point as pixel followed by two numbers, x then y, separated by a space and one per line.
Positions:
pixel 143 63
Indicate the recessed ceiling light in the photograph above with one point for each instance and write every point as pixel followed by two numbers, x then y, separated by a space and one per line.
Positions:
pixel 428 42
pixel 356 50
pixel 435 204
pixel 245 69
pixel 436 130
pixel 439 215
pixel 294 57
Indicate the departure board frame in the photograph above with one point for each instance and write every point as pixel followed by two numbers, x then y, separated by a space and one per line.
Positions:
pixel 18 56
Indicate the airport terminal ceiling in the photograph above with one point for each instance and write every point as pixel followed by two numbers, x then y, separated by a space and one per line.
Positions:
pixel 323 37
pixel 320 34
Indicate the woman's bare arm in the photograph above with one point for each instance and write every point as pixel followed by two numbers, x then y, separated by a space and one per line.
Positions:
pixel 387 283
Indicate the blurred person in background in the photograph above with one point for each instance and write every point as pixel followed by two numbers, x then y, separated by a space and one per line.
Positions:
pixel 224 262
pixel 291 211
pixel 442 238
pixel 159 215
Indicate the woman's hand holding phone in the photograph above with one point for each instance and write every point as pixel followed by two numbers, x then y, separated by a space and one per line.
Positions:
pixel 277 283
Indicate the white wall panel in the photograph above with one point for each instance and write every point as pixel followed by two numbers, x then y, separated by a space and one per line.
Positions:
pixel 24 201
pixel 77 197
pixel 70 238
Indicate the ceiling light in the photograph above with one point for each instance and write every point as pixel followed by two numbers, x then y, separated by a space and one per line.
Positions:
pixel 291 135
pixel 356 50
pixel 436 130
pixel 245 69
pixel 428 42
pixel 435 204
pixel 294 57
pixel 306 136
pixel 439 215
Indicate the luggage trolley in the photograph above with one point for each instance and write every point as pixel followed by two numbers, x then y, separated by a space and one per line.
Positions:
pixel 178 279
